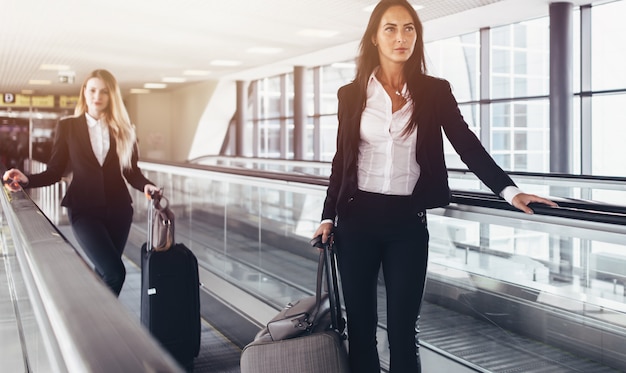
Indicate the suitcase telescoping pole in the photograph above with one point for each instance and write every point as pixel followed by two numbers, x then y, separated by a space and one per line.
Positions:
pixel 154 199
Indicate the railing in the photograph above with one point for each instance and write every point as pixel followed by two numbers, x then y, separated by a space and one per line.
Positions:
pixel 81 324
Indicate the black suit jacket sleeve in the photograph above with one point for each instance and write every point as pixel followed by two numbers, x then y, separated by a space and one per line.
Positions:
pixel 467 144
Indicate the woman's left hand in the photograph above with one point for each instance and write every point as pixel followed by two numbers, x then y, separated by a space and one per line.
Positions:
pixel 521 201
pixel 150 189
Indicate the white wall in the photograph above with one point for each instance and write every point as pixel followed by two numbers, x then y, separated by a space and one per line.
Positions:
pixel 185 123
pixel 151 115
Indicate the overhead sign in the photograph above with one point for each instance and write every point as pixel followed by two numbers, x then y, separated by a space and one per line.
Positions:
pixel 18 100
pixel 8 98
pixel 68 102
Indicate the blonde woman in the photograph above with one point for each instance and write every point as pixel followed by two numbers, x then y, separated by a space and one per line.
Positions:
pixel 98 146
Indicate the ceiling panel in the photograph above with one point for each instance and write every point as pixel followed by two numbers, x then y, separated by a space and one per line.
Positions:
pixel 146 40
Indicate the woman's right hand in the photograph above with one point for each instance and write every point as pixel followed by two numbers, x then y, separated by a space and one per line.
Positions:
pixel 324 230
pixel 14 179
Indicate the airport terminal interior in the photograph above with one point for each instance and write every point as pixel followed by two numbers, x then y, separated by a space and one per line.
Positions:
pixel 235 110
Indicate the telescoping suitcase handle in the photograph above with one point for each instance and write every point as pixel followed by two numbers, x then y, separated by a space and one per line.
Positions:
pixel 327 266
pixel 155 199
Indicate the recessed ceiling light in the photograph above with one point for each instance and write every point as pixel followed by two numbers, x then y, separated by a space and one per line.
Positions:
pixel 139 91
pixel 196 72
pixel 155 85
pixel 39 82
pixel 172 79
pixel 28 91
pixel 225 63
pixel 317 33
pixel 48 66
pixel 264 50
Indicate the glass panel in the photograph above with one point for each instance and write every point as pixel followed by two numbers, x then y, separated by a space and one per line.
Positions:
pixel 608 49
pixel 457 60
pixel 471 115
pixel 269 94
pixel 608 116
pixel 530 122
pixel 290 139
pixel 328 137
pixel 501 140
pixel 248 139
pixel 520 65
pixel 269 139
pixel 332 78
pixel 288 94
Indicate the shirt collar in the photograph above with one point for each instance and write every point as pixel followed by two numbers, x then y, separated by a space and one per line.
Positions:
pixel 91 121
pixel 373 75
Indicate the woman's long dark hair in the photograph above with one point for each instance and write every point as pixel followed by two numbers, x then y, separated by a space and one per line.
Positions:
pixel 368 59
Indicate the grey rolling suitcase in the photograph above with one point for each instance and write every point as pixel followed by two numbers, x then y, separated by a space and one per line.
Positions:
pixel 307 336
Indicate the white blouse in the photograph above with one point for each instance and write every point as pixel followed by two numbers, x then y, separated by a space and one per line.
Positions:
pixel 386 162
pixel 99 136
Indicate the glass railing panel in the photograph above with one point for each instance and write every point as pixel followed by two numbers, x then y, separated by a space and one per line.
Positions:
pixel 311 168
pixel 245 230
pixel 608 190
pixel 559 281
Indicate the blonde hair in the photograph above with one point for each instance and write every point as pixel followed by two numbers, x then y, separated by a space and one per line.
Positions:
pixel 115 116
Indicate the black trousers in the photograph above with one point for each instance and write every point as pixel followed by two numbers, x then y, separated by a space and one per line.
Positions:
pixel 102 234
pixel 381 230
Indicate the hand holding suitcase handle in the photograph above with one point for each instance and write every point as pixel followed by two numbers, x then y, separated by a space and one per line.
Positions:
pixel 160 234
pixel 155 194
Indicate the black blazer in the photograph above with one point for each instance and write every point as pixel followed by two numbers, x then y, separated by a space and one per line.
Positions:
pixel 92 185
pixel 436 109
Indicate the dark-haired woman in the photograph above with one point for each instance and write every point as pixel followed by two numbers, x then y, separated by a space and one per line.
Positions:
pixel 388 170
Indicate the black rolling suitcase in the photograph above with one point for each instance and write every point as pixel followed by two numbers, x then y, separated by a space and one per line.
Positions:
pixel 307 336
pixel 170 299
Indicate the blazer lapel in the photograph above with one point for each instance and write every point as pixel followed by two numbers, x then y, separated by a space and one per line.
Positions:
pixel 112 153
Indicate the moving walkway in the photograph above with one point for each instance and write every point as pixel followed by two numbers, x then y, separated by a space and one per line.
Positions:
pixel 506 291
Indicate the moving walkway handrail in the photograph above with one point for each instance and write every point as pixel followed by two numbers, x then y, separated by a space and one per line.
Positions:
pixel 568 207
pixel 85 328
pixel 579 209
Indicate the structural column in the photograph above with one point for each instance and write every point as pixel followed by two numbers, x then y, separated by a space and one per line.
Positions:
pixel 561 88
pixel 299 112
pixel 561 123
pixel 240 118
